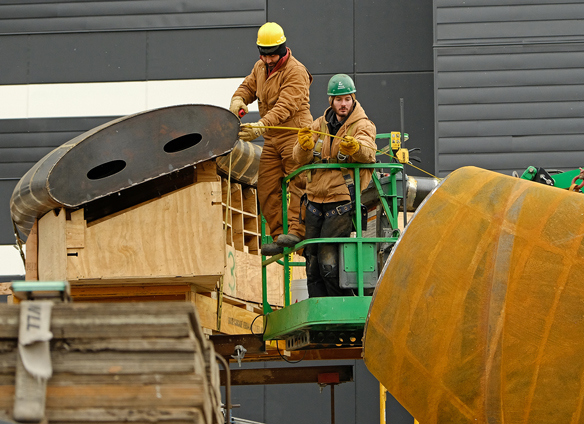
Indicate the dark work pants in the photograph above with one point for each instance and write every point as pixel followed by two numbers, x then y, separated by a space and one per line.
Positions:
pixel 322 259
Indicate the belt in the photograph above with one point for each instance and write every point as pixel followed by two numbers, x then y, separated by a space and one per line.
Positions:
pixel 339 210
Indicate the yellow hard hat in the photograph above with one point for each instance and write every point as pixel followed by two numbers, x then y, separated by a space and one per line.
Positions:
pixel 270 34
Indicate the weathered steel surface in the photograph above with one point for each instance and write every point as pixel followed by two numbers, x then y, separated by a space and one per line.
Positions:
pixel 121 154
pixel 245 163
pixel 479 313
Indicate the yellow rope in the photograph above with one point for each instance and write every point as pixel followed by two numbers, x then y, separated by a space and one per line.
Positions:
pixel 336 136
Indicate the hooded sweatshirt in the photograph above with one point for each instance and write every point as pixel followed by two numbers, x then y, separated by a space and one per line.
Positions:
pixel 328 185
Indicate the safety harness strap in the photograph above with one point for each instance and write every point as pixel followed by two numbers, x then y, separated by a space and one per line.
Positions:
pixel 349 182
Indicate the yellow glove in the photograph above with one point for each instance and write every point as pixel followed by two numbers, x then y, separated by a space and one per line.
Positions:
pixel 305 139
pixel 237 103
pixel 349 146
pixel 251 131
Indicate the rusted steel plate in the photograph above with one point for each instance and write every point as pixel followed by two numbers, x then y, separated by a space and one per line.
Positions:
pixel 245 377
pixel 479 314
pixel 120 154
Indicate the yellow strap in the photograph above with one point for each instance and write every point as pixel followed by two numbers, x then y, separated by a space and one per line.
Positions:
pixel 336 136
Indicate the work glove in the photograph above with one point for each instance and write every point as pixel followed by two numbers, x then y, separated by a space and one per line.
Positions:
pixel 305 139
pixel 349 146
pixel 251 131
pixel 237 103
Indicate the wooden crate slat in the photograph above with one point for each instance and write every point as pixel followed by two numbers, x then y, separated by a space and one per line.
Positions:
pixel 125 415
pixel 123 395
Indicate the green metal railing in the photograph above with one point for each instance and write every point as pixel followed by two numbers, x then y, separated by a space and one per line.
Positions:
pixel 389 201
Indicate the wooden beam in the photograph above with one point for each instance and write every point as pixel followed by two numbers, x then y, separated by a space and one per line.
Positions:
pixel 225 344
pixel 32 253
pixel 52 260
pixel 234 320
pixel 83 292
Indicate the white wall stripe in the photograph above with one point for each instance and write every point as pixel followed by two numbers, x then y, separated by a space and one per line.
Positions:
pixel 111 98
pixel 10 261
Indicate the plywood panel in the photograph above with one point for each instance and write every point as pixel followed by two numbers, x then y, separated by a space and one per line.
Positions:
pixel 32 253
pixel 76 230
pixel 52 250
pixel 177 235
pixel 243 278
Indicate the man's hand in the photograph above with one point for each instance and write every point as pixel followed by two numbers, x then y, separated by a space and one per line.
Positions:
pixel 237 103
pixel 349 146
pixel 251 131
pixel 305 139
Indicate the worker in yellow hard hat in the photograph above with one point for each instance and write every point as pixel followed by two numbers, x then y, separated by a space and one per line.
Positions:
pixel 280 84
pixel 330 193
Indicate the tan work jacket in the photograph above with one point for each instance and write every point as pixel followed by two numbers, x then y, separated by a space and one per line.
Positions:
pixel 328 185
pixel 283 97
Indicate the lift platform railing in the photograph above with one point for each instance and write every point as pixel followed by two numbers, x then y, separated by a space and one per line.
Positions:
pixel 389 201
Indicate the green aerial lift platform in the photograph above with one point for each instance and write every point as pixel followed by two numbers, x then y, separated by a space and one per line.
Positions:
pixel 326 322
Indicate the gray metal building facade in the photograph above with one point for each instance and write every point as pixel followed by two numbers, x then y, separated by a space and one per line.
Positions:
pixel 509 84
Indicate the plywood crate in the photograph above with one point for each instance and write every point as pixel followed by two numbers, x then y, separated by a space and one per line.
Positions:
pixel 240 212
pixel 165 249
pixel 243 276
pixel 174 239
pixel 114 363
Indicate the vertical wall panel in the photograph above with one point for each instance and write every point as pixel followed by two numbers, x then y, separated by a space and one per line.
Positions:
pixel 319 33
pixel 202 53
pixel 114 15
pixel 516 101
pixel 507 21
pixel 393 36
pixel 380 96
pixel 6 232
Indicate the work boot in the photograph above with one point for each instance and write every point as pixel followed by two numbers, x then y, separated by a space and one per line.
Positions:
pixel 272 249
pixel 288 240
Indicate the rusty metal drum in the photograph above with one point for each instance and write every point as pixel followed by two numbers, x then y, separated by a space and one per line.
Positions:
pixel 479 313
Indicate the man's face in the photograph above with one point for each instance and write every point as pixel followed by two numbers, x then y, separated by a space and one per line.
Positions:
pixel 270 60
pixel 342 106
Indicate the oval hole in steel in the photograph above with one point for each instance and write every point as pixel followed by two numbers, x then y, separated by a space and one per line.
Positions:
pixel 183 143
pixel 106 169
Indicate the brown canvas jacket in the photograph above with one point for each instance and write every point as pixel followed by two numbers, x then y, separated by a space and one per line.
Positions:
pixel 328 185
pixel 283 97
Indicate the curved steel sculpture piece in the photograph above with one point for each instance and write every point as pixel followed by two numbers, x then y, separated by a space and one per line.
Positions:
pixel 478 316
pixel 245 163
pixel 122 154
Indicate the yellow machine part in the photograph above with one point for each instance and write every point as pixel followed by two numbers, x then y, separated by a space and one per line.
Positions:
pixel 479 314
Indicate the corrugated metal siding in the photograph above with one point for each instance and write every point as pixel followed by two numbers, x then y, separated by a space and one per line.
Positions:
pixel 88 16
pixel 507 21
pixel 23 142
pixel 506 106
pixel 127 56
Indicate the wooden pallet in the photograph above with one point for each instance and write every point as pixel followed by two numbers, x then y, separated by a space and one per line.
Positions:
pixel 240 211
pixel 140 362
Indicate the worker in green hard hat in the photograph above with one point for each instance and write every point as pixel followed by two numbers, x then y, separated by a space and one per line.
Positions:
pixel 330 193
pixel 280 84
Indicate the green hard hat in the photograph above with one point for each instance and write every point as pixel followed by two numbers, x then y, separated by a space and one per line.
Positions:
pixel 340 84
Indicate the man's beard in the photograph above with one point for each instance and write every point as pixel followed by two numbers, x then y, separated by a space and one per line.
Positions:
pixel 342 113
